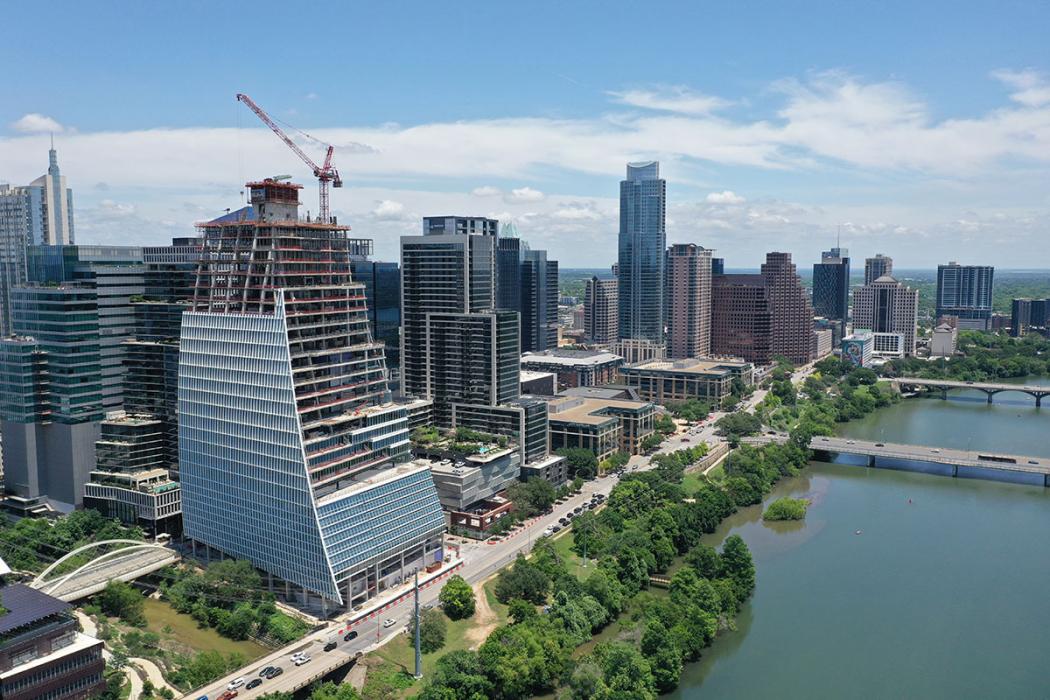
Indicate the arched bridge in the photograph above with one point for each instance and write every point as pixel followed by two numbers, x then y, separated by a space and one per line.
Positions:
pixel 130 561
pixel 989 388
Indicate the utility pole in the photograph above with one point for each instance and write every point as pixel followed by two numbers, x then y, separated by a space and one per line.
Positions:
pixel 419 657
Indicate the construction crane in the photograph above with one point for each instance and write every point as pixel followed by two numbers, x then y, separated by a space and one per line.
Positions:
pixel 324 173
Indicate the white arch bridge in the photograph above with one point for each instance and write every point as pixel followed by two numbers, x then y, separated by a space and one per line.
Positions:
pixel 128 562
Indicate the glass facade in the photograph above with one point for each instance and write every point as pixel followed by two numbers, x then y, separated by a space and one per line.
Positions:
pixel 642 242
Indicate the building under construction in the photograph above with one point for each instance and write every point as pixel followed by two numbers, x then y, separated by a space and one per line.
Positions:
pixel 288 441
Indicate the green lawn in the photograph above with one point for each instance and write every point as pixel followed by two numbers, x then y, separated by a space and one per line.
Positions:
pixel 563 545
pixel 185 632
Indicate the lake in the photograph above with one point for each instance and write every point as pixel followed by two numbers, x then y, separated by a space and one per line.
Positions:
pixel 940 595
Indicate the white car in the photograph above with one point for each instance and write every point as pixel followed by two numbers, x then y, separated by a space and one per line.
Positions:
pixel 389 622
pixel 298 655
pixel 235 684
pixel 302 660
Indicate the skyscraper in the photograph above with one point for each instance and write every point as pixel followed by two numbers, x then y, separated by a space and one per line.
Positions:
pixel 831 287
pixel 642 245
pixel 688 301
pixel 600 309
pixel 527 282
pixel 448 292
pixel 40 213
pixel 287 442
pixel 887 306
pixel 965 291
pixel 760 317
pixel 879 266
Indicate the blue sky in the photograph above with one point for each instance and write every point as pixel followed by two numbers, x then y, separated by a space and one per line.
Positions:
pixel 919 129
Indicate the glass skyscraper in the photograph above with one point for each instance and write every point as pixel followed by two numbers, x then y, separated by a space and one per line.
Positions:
pixel 831 288
pixel 965 291
pixel 643 236
pixel 288 445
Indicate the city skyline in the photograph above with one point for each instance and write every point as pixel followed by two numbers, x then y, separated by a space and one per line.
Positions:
pixel 906 151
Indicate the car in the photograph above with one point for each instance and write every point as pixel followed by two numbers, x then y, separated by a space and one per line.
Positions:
pixel 235 683
pixel 879 444
pixel 1033 461
pixel 850 442
pixel 276 672
pixel 296 656
pixel 556 528
pixel 265 673
pixel 302 660
pixel 228 695
pixel 824 439
pixel 254 683
pixel 685 439
pixel 329 646
pixel 563 521
pixel 203 697
pixel 936 449
pixel 352 634
pixel 389 622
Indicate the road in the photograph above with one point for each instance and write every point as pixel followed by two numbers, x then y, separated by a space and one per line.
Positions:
pixel 480 560
pixel 95 576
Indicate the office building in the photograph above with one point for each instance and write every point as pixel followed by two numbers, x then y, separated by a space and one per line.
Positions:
pixel 575 367
pixel 761 317
pixel 634 350
pixel 887 306
pixel 288 445
pixel 642 242
pixel 718 266
pixel 43 655
pixel 600 311
pixel 603 426
pixel 672 381
pixel 527 282
pixel 450 269
pixel 688 300
pixel 858 348
pixel 965 291
pixel 943 340
pixel 382 281
pixel 40 213
pixel 1026 314
pixel 823 342
pixel 539 383
pixel 879 266
pixel 831 287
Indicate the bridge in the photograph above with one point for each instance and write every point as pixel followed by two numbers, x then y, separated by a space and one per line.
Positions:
pixel 956 459
pixel 129 562
pixel 989 388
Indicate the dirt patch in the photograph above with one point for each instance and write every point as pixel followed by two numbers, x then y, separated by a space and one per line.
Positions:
pixel 485 619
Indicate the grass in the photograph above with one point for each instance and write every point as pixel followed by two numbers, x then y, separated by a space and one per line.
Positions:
pixel 185 632
pixel 563 545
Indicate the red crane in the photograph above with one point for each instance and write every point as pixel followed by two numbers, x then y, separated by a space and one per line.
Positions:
pixel 324 173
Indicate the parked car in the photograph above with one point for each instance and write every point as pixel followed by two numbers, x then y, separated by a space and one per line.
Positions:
pixel 235 684
pixel 253 683
pixel 352 634
pixel 556 528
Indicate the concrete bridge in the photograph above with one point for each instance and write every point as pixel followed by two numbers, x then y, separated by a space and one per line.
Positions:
pixel 989 388
pixel 132 560
pixel 956 459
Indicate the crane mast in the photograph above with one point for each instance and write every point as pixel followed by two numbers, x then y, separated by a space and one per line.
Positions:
pixel 325 174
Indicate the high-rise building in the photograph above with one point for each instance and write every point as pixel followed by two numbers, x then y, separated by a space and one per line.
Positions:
pixel 382 281
pixel 527 282
pixel 688 301
pixel 879 266
pixel 642 242
pixel 831 287
pixel 40 213
pixel 1028 313
pixel 965 291
pixel 600 311
pixel 287 442
pixel 886 306
pixel 761 317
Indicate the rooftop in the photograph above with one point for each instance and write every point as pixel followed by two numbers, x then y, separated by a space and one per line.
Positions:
pixel 368 480
pixel 591 411
pixel 571 358
pixel 529 375
pixel 25 606
pixel 691 366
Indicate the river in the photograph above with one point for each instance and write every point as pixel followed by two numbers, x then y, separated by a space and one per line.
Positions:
pixel 898 584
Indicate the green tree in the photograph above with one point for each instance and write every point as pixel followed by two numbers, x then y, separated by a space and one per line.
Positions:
pixel 521 610
pixel 587 682
pixel 651 442
pixel 705 560
pixel 118 599
pixel 525 660
pixel 786 509
pixel 458 676
pixel 661 649
pixel 532 497
pixel 524 581
pixel 625 671
pixel 581 462
pixel 432 630
pixel 737 564
pixel 457 598
pixel 331 691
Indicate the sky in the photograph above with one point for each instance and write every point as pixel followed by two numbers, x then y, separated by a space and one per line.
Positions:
pixel 917 130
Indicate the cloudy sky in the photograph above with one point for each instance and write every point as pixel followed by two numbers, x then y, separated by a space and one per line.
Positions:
pixel 919 130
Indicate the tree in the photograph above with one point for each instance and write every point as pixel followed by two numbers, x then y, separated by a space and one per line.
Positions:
pixel 458 676
pixel 118 599
pixel 786 509
pixel 532 497
pixel 524 581
pixel 705 560
pixel 525 660
pixel 331 691
pixel 737 564
pixel 521 610
pixel 581 462
pixel 738 425
pixel 587 682
pixel 651 442
pixel 457 598
pixel 625 671
pixel 240 623
pixel 664 655
pixel 432 630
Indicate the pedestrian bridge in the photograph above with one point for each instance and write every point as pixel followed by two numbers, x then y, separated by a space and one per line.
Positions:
pixel 979 463
pixel 129 560
pixel 989 388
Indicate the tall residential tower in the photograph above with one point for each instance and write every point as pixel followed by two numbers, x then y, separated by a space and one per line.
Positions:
pixel 965 291
pixel 688 301
pixel 831 288
pixel 642 245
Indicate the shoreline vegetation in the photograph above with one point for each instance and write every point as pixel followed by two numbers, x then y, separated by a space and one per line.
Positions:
pixel 786 509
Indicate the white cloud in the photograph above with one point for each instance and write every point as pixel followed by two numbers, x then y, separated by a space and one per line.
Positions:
pixel 724 197
pixel 524 194
pixel 1032 87
pixel 34 123
pixel 485 191
pixel 674 98
pixel 389 210
pixel 311 95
